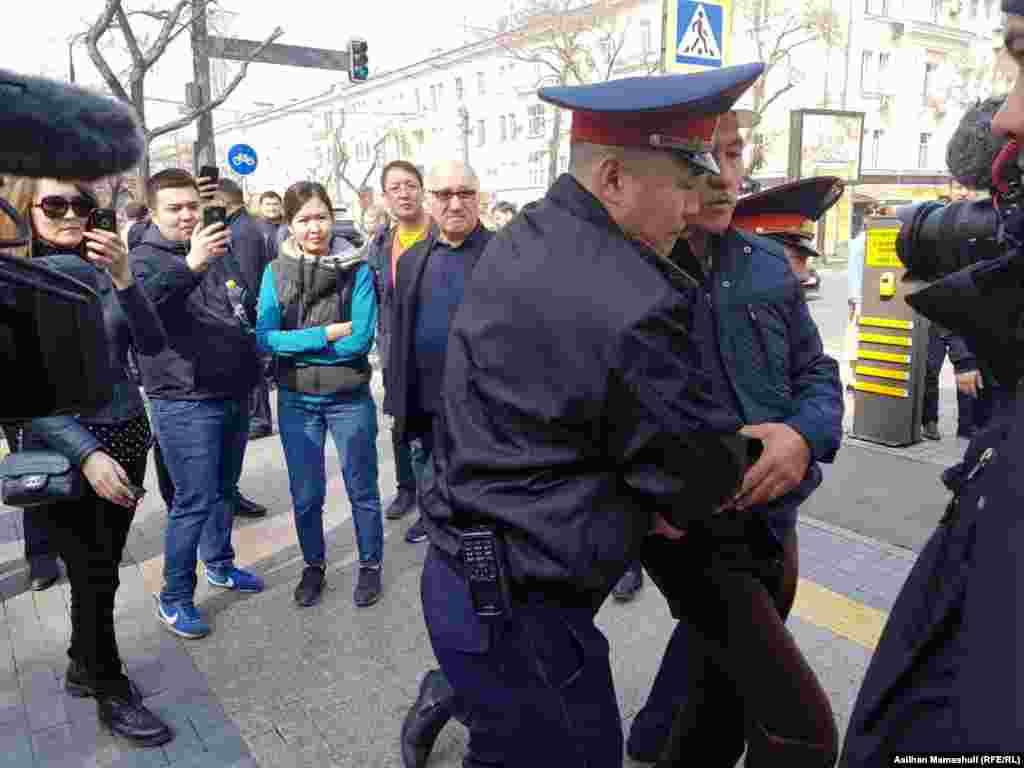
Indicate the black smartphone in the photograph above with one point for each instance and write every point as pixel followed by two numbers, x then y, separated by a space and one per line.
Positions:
pixel 211 172
pixel 104 219
pixel 137 491
pixel 213 214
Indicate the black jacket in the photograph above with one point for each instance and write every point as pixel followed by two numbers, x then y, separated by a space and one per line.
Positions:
pixel 252 247
pixel 210 353
pixel 574 403
pixel 130 322
pixel 403 308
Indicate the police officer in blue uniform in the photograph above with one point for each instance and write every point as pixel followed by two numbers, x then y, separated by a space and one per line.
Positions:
pixel 576 422
pixel 948 672
pixel 766 358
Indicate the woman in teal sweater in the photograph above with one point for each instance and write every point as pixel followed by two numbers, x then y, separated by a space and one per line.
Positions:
pixel 317 314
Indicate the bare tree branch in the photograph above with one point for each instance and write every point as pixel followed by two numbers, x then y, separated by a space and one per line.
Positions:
pixel 164 38
pixel 210 106
pixel 775 96
pixel 129 37
pixel 98 29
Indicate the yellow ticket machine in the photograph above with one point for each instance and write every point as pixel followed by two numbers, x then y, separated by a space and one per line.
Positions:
pixel 892 345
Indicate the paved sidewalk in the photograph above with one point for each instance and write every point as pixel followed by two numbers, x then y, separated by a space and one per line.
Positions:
pixel 278 686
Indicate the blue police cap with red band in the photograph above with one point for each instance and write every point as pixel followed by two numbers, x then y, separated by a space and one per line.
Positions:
pixel 672 112
pixel 788 210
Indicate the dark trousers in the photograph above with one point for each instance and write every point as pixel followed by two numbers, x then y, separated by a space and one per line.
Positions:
pixel 90 534
pixel 933 367
pixel 259 406
pixel 684 667
pixel 537 684
pixel 742 665
pixel 403 462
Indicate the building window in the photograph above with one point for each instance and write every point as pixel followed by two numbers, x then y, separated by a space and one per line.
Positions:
pixel 537 169
pixel 502 128
pixel 563 163
pixel 419 104
pixel 922 150
pixel 876 7
pixel 646 39
pixel 929 71
pixel 440 93
pixel 433 98
pixel 883 67
pixel 458 88
pixel 537 120
pixel 988 10
pixel 481 84
pixel 974 10
pixel 876 147
pixel 481 135
pixel 868 75
pixel 937 10
pixel 513 129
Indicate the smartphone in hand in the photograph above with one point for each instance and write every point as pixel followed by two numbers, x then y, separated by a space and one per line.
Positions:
pixel 104 219
pixel 137 491
pixel 214 214
pixel 210 172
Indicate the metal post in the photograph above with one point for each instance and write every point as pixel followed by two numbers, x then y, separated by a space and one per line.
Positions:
pixel 206 153
pixel 464 129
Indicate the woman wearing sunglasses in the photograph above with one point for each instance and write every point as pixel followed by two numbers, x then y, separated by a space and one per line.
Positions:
pixel 108 445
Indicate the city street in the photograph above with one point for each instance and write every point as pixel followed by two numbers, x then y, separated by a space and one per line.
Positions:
pixel 278 686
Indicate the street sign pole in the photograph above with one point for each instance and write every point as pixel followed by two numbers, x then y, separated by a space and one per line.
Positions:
pixel 206 153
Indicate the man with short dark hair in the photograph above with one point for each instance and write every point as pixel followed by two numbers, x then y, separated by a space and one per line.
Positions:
pixel 503 213
pixel 272 213
pixel 196 386
pixel 402 185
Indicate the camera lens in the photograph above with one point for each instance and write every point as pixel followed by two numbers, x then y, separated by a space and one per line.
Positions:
pixel 936 240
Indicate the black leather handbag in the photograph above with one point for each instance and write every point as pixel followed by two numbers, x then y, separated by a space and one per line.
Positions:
pixel 34 478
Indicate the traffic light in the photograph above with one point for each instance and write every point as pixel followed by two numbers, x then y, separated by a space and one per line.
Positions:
pixel 358 61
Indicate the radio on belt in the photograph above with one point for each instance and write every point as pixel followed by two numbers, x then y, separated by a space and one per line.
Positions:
pixel 484 561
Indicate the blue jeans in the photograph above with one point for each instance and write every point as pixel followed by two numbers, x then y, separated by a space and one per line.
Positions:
pixel 202 443
pixel 351 419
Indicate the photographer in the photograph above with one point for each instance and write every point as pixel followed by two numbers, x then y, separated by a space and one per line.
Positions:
pixel 109 445
pixel 947 673
pixel 198 387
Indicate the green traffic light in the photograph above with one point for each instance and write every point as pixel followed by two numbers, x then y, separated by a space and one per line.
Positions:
pixel 359 60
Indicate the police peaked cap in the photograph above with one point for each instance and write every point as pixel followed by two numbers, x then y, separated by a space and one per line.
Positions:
pixel 672 112
pixel 790 210
pixel 54 130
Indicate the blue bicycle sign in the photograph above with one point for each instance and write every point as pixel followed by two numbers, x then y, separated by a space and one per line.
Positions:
pixel 243 159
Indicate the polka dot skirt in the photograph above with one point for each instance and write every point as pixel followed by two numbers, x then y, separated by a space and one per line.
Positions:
pixel 126 442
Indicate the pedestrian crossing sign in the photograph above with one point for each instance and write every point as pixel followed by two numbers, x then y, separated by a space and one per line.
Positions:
pixel 696 35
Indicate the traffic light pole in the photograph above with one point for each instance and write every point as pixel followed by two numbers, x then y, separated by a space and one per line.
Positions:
pixel 205 150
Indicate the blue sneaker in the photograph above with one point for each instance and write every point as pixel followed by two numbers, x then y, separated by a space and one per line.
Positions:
pixel 234 578
pixel 182 619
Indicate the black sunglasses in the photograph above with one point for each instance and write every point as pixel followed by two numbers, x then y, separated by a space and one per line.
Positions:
pixel 56 207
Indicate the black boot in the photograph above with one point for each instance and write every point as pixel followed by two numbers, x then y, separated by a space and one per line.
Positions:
pixel 126 716
pixel 248 508
pixel 765 749
pixel 426 718
pixel 43 572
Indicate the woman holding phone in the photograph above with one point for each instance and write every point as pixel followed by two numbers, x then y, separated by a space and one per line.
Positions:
pixel 108 445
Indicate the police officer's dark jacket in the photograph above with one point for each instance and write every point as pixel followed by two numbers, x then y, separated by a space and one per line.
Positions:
pixel 769 350
pixel 210 353
pixel 574 407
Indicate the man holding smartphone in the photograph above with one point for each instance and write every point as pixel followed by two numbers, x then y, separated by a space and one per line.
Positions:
pixel 198 387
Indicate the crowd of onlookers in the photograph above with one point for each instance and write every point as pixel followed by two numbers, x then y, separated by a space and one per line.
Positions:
pixel 203 318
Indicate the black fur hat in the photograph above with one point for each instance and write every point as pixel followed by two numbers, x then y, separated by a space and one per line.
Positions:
pixel 55 130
